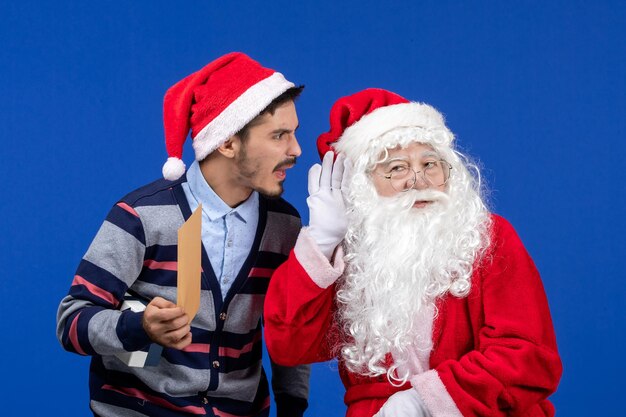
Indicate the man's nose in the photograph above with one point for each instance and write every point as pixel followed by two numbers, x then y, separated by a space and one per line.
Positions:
pixel 294 147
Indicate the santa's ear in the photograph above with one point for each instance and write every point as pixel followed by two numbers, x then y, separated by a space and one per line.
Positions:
pixel 231 147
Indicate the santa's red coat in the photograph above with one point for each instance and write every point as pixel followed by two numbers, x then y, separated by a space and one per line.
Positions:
pixel 494 351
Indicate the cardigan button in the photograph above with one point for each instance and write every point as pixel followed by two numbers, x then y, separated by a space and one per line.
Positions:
pixel 222 316
pixel 216 364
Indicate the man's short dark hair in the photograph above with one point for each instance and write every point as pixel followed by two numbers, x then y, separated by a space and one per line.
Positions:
pixel 289 95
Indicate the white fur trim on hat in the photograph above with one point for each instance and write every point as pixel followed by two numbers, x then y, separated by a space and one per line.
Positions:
pixel 358 138
pixel 173 169
pixel 239 113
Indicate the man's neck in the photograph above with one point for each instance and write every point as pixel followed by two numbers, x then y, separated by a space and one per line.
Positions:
pixel 219 173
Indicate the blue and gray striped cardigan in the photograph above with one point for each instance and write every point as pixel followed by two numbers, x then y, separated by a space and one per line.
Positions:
pixel 220 373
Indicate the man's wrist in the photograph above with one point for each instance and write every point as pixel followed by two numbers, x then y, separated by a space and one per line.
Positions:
pixel 130 331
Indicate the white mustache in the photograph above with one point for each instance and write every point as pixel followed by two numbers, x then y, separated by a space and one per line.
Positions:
pixel 407 199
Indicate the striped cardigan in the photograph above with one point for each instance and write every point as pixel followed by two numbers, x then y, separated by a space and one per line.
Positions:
pixel 220 373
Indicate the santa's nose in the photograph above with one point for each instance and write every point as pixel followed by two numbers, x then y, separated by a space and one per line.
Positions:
pixel 419 183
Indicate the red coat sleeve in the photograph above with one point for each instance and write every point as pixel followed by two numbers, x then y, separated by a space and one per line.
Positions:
pixel 298 312
pixel 514 365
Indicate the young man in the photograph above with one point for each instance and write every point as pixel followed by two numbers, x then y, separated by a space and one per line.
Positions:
pixel 432 305
pixel 243 120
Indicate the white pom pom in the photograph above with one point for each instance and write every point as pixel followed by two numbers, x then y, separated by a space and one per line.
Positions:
pixel 173 169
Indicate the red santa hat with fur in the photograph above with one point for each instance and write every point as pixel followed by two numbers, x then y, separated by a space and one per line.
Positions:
pixel 215 103
pixel 357 120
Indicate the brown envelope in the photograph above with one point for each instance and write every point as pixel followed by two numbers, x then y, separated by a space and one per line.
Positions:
pixel 189 256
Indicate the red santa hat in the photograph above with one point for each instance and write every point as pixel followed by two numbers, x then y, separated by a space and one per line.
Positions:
pixel 358 119
pixel 216 103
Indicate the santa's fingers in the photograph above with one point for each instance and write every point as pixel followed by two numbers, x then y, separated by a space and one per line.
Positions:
pixel 327 170
pixel 314 179
pixel 347 174
pixel 336 179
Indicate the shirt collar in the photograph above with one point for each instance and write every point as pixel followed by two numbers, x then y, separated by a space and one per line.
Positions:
pixel 212 205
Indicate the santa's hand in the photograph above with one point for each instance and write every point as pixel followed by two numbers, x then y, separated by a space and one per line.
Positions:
pixel 327 212
pixel 404 404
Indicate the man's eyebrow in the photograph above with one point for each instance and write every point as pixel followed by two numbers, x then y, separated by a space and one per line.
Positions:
pixel 282 130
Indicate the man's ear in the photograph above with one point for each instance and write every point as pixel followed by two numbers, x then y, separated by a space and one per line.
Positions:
pixel 231 147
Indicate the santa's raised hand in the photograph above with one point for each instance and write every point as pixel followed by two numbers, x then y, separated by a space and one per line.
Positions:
pixel 327 210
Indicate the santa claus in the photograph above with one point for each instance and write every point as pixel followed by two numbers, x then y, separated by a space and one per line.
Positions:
pixel 430 303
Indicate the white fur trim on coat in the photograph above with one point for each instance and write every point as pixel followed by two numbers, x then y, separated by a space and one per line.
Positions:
pixel 315 262
pixel 435 395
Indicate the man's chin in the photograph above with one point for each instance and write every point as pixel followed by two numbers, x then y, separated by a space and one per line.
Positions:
pixel 272 194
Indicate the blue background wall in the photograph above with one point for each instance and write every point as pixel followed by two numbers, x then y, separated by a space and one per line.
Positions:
pixel 535 90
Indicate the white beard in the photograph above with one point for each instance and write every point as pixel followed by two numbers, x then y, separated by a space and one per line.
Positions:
pixel 400 260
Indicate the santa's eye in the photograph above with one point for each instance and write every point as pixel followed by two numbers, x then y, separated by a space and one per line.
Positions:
pixel 431 164
pixel 398 168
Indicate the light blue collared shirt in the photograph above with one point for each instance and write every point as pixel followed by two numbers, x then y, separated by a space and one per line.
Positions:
pixel 227 233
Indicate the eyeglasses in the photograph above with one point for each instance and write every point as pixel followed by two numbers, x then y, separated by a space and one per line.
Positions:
pixel 402 177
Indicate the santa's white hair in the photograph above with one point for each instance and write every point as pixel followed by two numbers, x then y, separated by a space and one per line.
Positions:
pixel 400 259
